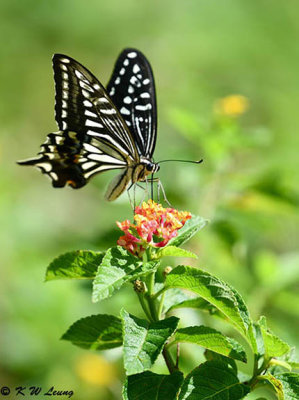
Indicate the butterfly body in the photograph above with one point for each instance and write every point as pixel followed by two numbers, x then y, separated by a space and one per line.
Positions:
pixel 101 130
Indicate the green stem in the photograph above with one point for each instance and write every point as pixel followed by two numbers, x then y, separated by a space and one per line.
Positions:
pixel 161 291
pixel 152 302
pixel 169 361
pixel 144 306
pixel 161 306
pixel 156 316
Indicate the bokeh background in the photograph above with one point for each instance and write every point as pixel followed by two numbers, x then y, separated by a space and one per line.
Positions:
pixel 227 77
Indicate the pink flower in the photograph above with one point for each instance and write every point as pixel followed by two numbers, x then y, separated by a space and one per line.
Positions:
pixel 153 226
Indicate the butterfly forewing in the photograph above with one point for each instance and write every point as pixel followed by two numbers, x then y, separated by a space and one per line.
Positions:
pixel 82 105
pixel 132 90
pixel 93 136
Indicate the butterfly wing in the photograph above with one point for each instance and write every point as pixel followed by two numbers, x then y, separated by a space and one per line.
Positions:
pixel 132 90
pixel 93 136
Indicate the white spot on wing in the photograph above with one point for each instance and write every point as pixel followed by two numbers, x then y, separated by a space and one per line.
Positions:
pixel 46 166
pixel 112 91
pixel 122 71
pixel 87 103
pixel 89 122
pixel 91 149
pixel 136 68
pixel 90 114
pixel 144 108
pixel 126 62
pixel 65 60
pixel 133 54
pixel 146 81
pixel 79 75
pixel 88 165
pixel 107 111
pixel 145 95
pixel 85 86
pixel 125 111
pixel 130 89
pixel 127 100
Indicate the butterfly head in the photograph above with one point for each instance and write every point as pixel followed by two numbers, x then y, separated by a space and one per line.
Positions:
pixel 150 166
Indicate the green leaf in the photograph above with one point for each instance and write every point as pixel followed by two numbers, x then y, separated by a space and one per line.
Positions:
pixel 290 384
pixel 211 339
pixel 118 267
pixel 81 264
pixel 150 386
pixel 143 341
pixel 97 332
pixel 214 291
pixel 211 356
pixel 191 227
pixel 273 345
pixel 280 363
pixel 198 303
pixel 174 252
pixel 213 380
pixel 275 383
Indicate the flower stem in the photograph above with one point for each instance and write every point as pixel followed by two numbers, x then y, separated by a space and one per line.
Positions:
pixel 156 316
pixel 150 300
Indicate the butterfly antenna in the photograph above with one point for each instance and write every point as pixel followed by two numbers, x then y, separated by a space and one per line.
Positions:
pixel 186 161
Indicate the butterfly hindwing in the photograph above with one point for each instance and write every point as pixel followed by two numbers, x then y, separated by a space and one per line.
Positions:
pixel 132 90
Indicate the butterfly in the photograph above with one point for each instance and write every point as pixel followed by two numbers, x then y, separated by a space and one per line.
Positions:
pixel 101 129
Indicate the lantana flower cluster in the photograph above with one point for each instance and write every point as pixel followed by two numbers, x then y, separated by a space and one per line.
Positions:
pixel 153 226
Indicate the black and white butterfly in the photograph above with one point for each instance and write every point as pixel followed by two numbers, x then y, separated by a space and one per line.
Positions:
pixel 100 129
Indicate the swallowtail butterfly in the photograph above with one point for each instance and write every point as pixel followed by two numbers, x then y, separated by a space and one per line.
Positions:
pixel 100 129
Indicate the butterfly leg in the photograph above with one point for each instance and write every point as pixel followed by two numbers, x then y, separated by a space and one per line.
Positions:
pixel 130 199
pixel 160 187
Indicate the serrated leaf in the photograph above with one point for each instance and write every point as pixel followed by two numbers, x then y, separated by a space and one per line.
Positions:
pixel 290 384
pixel 211 339
pixel 275 383
pixel 118 267
pixel 213 290
pixel 213 380
pixel 97 332
pixel 174 251
pixel 273 345
pixel 149 386
pixel 191 227
pixel 143 341
pixel 80 264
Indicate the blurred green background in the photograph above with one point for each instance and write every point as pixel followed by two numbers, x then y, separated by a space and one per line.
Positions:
pixel 201 53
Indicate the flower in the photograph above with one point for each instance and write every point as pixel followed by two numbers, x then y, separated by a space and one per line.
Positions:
pixel 232 106
pixel 153 227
